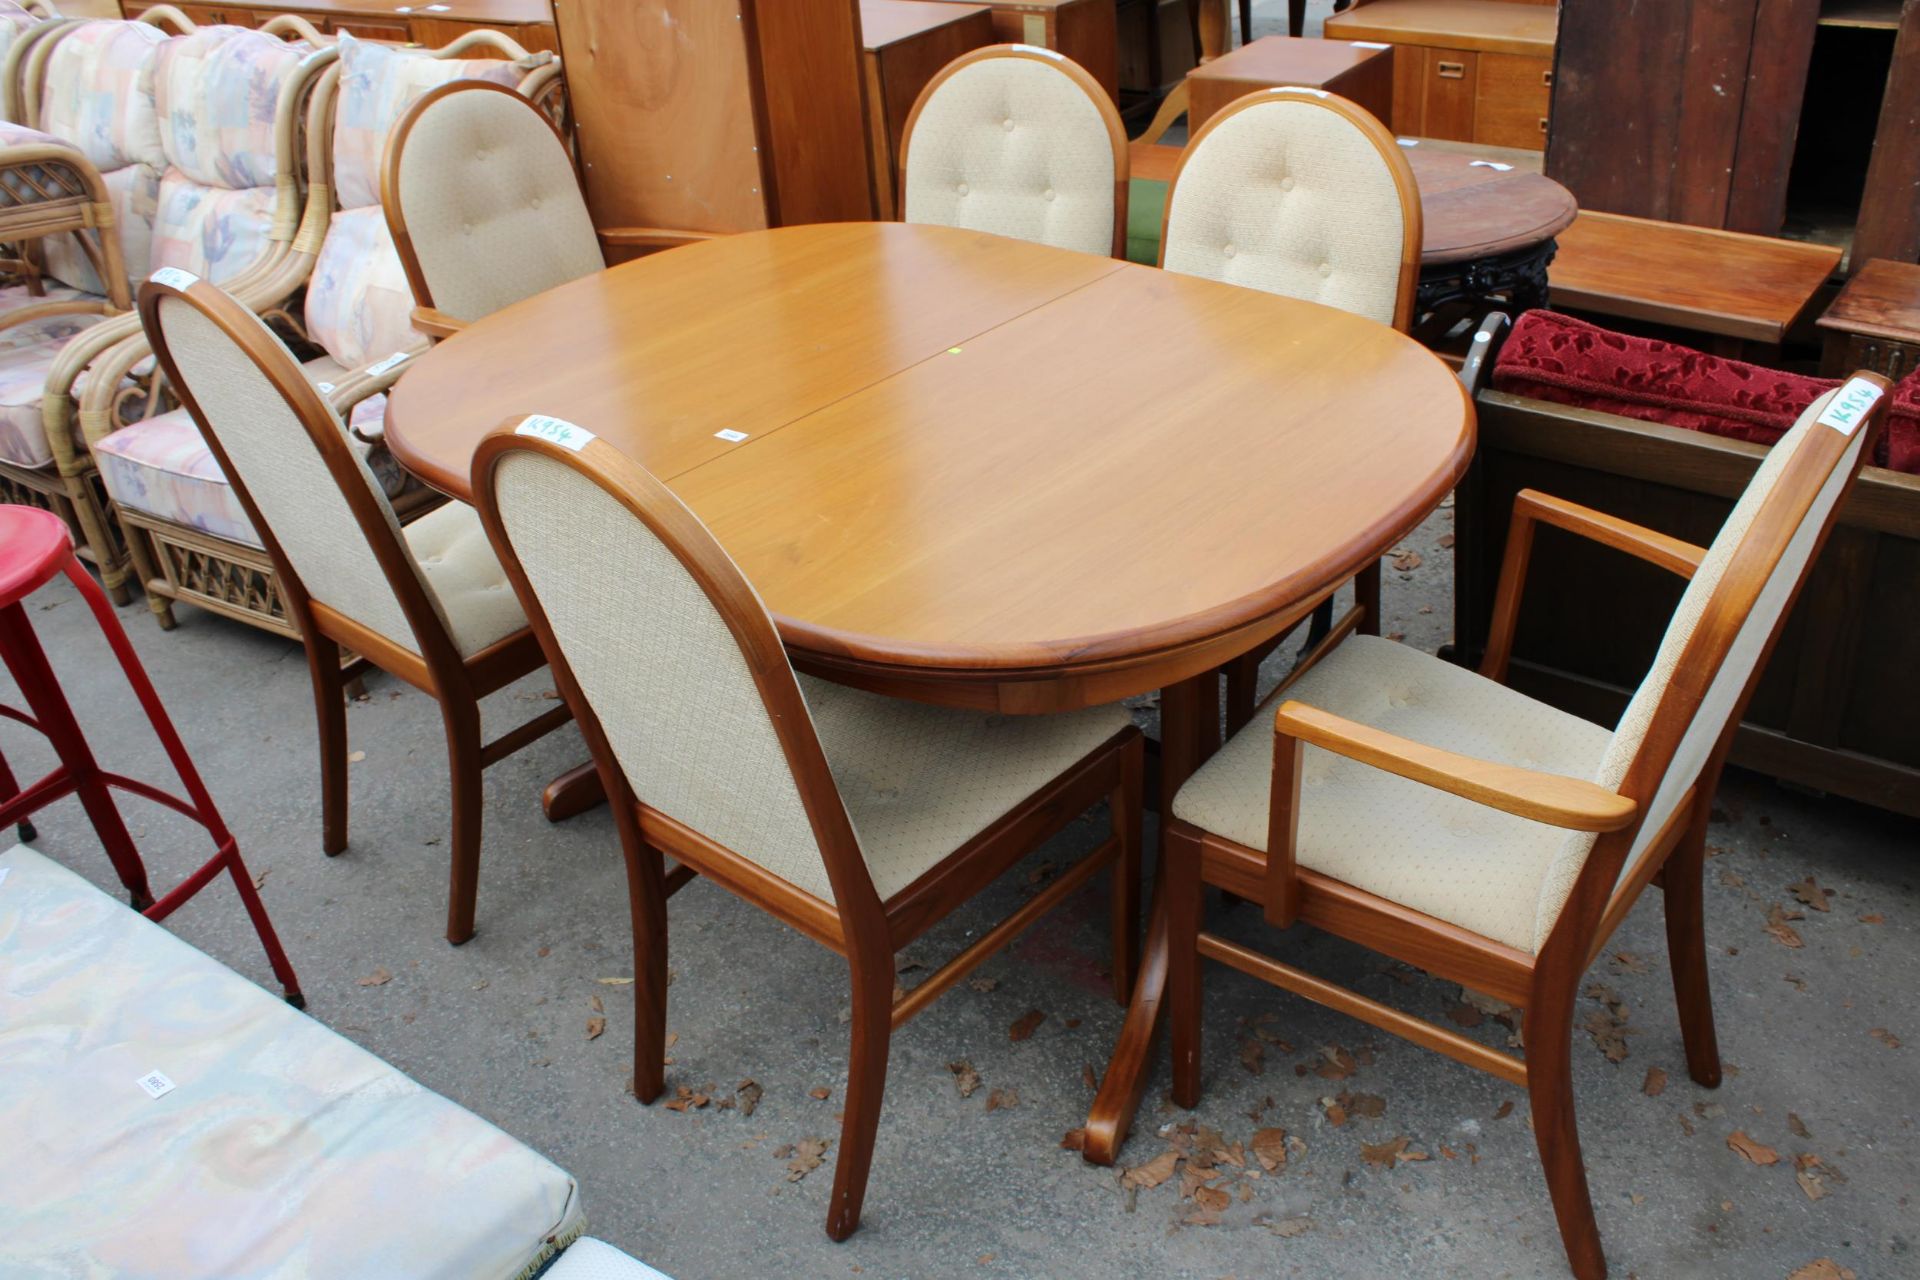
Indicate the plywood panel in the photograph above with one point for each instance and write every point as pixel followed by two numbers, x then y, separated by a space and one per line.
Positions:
pixel 805 57
pixel 663 109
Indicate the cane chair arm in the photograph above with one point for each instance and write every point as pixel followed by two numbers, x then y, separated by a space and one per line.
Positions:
pixel 364 383
pixel 1574 804
pixel 1532 508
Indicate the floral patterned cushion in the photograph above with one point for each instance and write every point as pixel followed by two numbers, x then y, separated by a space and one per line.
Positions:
pixel 217 93
pixel 211 231
pixel 23 382
pixel 15 298
pixel 98 95
pixel 359 305
pixel 167 1119
pixel 14 21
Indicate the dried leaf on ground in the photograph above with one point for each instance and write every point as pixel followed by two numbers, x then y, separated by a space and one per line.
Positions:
pixel 1383 1155
pixel 984 984
pixel 806 1157
pixel 1288 1228
pixel 1074 1140
pixel 688 1099
pixel 1810 894
pixel 1655 1083
pixel 1336 1063
pixel 1873 917
pixel 1444 541
pixel 965 1078
pixel 1779 930
pixel 1885 1037
pixel 1088 1076
pixel 1145 1177
pixel 1755 1151
pixel 1336 1114
pixel 1003 1099
pixel 1370 1105
pixel 1025 1025
pixel 1823 1269
pixel 1506 1109
pixel 1270 1149
pixel 820 1093
pixel 748 1095
pixel 380 977
pixel 355 757
pixel 1407 560
pixel 595 1026
pixel 1465 1015
pixel 1631 962
pixel 593 1003
pixel 614 982
pixel 1253 1057
pixel 1796 1126
pixel 1211 1198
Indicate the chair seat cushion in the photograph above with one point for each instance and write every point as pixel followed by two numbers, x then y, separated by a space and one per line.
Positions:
pixel 26 333
pixel 23 385
pixel 1462 862
pixel 162 466
pixel 282 1150
pixel 1566 361
pixel 461 569
pixel 920 781
pixel 590 1259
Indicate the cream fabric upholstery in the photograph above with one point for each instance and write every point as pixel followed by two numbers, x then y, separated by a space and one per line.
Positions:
pixel 591 1259
pixel 1013 145
pixel 684 718
pixel 1498 875
pixel 308 514
pixel 1463 862
pixel 492 205
pixel 1710 719
pixel 1291 197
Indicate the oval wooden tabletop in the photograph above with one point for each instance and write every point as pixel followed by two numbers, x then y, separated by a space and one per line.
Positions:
pixel 967 458
pixel 1475 202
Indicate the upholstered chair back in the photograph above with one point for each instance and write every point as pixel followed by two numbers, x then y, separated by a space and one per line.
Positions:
pixel 219 97
pixel 1021 142
pixel 1717 587
pixel 97 92
pixel 486 191
pixel 671 682
pixel 359 307
pixel 249 397
pixel 14 21
pixel 1300 193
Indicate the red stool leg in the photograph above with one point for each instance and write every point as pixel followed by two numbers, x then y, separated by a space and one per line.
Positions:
pixel 21 650
pixel 202 799
pixel 9 788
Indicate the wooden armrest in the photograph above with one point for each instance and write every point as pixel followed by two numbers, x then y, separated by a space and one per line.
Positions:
pixel 653 237
pixel 436 324
pixel 1571 803
pixel 1532 508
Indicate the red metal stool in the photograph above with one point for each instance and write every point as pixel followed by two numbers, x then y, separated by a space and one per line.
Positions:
pixel 34 547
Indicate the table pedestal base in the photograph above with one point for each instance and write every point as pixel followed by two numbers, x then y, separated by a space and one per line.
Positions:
pixel 573 793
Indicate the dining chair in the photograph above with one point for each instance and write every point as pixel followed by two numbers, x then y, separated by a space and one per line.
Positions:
pixel 427 603
pixel 1299 192
pixel 1444 820
pixel 1021 142
pixel 486 208
pixel 862 821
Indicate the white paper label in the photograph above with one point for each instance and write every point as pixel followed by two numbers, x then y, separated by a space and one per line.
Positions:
pixel 175 278
pixel 1408 142
pixel 156 1084
pixel 393 361
pixel 558 430
pixel 1489 164
pixel 1850 406
pixel 325 388
pixel 1369 44
pixel 731 436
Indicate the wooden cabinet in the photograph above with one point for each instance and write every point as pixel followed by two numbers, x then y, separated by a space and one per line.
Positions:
pixel 905 44
pixel 1362 74
pixel 1464 70
pixel 1085 30
pixel 528 23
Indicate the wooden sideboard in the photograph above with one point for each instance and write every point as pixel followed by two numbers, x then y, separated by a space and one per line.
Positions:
pixel 1085 30
pixel 906 43
pixel 529 23
pixel 1464 70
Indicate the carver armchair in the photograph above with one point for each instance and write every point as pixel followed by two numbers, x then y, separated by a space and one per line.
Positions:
pixel 860 820
pixel 1444 820
pixel 427 603
pixel 1021 142
pixel 485 207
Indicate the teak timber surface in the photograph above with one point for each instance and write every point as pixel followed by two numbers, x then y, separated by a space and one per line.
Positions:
pixel 1467 210
pixel 946 434
pixel 1360 73
pixel 1719 282
pixel 1495 26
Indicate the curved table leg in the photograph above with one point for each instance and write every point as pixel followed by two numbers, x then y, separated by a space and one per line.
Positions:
pixel 1214 28
pixel 1189 732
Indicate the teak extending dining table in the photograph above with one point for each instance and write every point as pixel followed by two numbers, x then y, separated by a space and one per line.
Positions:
pixel 978 472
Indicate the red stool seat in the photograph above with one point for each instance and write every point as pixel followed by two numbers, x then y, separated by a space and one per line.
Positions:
pixel 34 544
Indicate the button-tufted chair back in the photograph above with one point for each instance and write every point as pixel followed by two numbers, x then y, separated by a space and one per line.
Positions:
pixel 483 202
pixel 1021 142
pixel 1301 193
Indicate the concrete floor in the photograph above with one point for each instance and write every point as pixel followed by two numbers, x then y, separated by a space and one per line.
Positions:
pixel 960 1190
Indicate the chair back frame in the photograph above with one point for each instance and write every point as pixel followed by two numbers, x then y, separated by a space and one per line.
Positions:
pixel 390 193
pixel 1116 129
pixel 1384 142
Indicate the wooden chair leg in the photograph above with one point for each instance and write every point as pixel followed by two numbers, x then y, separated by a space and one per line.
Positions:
pixel 1366 594
pixel 1296 17
pixel 1246 21
pixel 648 893
pixel 330 711
pixel 1687 952
pixel 462 717
pixel 866 1088
pixel 1549 1033
pixel 1243 687
pixel 1126 805
pixel 1185 904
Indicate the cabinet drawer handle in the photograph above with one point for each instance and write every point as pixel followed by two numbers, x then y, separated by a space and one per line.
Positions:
pixel 1546 78
pixel 1543 124
pixel 1452 70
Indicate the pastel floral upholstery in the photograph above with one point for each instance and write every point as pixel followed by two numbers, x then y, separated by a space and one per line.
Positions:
pixel 14 21
pixel 99 95
pixel 23 384
pixel 281 1151
pixel 217 92
pixel 358 302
